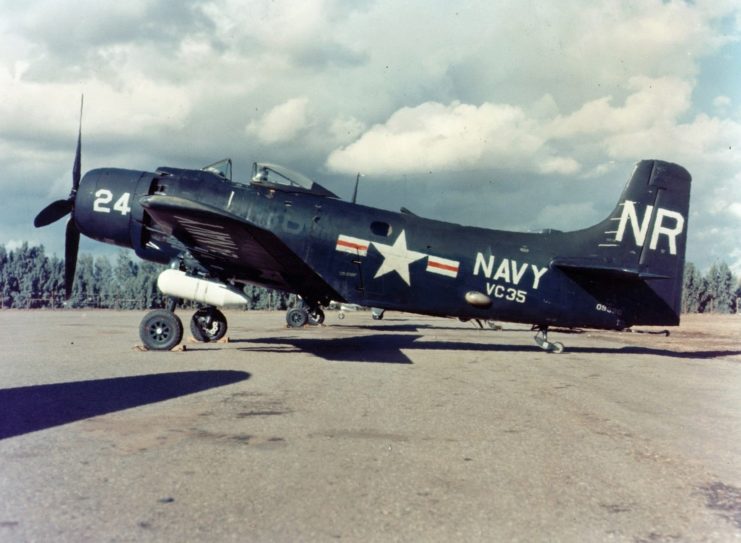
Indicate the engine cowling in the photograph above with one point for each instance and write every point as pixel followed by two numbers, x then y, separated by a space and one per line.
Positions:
pixel 108 210
pixel 107 204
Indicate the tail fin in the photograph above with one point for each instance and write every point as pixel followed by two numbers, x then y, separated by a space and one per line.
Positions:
pixel 641 244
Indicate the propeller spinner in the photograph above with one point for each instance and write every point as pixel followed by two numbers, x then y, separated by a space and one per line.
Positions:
pixel 58 209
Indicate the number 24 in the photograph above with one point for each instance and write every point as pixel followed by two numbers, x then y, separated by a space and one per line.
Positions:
pixel 103 197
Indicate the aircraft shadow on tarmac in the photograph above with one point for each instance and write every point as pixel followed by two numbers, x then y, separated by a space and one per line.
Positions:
pixel 387 348
pixel 32 408
pixel 417 327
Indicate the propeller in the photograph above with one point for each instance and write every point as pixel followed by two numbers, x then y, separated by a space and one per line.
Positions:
pixel 58 209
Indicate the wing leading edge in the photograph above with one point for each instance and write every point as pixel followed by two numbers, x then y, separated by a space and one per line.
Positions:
pixel 229 246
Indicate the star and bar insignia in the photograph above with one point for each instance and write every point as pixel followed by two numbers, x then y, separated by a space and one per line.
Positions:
pixel 397 257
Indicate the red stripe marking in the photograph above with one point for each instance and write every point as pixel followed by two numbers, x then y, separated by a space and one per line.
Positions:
pixel 351 245
pixel 440 265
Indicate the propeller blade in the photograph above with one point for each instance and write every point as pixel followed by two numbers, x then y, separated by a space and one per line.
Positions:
pixel 76 166
pixel 71 244
pixel 52 213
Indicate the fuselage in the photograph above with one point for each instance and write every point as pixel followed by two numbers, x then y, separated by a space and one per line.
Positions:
pixel 369 256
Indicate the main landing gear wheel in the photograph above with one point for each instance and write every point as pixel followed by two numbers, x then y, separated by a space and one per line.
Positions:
pixel 208 324
pixel 541 338
pixel 297 317
pixel 161 330
pixel 316 317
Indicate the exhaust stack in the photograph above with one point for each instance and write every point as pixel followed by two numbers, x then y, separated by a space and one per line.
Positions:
pixel 179 285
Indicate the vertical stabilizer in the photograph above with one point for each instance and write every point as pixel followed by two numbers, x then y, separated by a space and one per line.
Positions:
pixel 641 245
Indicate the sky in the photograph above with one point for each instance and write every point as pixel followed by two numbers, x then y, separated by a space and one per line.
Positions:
pixel 516 115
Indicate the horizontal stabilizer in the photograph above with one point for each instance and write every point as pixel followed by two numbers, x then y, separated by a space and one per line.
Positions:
pixel 597 267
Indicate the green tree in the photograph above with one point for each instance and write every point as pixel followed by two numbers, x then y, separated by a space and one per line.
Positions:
pixel 692 288
pixel 31 275
pixel 5 299
pixel 149 296
pixel 721 288
pixel 85 287
pixel 125 275
pixel 54 286
pixel 107 288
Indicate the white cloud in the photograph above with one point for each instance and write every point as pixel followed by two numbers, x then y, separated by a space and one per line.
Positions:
pixel 434 136
pixel 721 102
pixel 649 123
pixel 345 129
pixel 283 123
pixel 651 102
pixel 34 108
pixel 560 216
pixel 553 90
pixel 559 165
pixel 14 244
pixel 735 209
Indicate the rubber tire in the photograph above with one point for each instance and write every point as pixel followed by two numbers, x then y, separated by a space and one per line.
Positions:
pixel 215 334
pixel 297 317
pixel 316 318
pixel 161 330
pixel 493 325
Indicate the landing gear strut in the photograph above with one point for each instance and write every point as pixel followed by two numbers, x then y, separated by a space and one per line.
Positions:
pixel 208 324
pixel 162 330
pixel 306 313
pixel 541 338
pixel 316 317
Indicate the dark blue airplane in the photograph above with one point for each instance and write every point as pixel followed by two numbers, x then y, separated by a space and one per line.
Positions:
pixel 282 230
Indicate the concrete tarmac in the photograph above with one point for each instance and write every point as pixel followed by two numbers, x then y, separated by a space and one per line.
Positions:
pixel 406 429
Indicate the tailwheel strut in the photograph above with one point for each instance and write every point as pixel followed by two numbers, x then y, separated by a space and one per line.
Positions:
pixel 541 338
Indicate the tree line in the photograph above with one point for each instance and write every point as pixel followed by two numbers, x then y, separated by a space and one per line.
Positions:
pixel 717 291
pixel 31 279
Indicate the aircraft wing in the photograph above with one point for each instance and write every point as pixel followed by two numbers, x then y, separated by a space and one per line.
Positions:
pixel 229 246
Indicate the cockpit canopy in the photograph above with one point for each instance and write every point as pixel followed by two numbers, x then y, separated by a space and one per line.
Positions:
pixel 221 168
pixel 282 178
pixel 264 174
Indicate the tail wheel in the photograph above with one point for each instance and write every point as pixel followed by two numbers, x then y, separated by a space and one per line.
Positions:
pixel 160 330
pixel 208 324
pixel 556 347
pixel 541 338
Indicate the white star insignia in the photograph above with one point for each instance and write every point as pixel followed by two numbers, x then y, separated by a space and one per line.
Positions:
pixel 397 258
